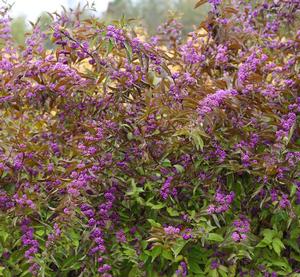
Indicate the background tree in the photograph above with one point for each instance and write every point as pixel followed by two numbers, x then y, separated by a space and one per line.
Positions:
pixel 189 16
pixel 153 13
pixel 19 28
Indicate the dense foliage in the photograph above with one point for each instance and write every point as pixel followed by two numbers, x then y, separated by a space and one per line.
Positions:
pixel 123 155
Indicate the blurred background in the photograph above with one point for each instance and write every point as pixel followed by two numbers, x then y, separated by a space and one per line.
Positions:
pixel 149 13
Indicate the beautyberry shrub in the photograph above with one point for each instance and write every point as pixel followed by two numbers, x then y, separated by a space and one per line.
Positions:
pixel 124 155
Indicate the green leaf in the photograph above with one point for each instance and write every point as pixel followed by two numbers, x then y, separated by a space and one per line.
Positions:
pixel 244 253
pixel 178 258
pixel 277 246
pixel 155 252
pixel 179 168
pixel 110 46
pixel 198 141
pixel 293 190
pixel 172 212
pixel 73 262
pixel 40 232
pixel 75 237
pixel 133 272
pixel 194 267
pixel 215 237
pixel 140 170
pixel 7 273
pixel 178 246
pixel 262 244
pixel 128 51
pixel 153 223
pixel 268 237
pixel 130 136
pixel 268 233
pixel 222 273
pixel 282 263
pixel 167 255
pixel 216 220
pixel 166 163
pixel 26 273
pixel 4 235
pixel 223 268
pixel 134 191
pixel 214 273
pixel 156 206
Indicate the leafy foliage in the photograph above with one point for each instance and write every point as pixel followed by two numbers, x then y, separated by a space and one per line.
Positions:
pixel 123 155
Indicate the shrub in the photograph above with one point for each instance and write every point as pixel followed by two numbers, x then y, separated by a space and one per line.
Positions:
pixel 123 156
